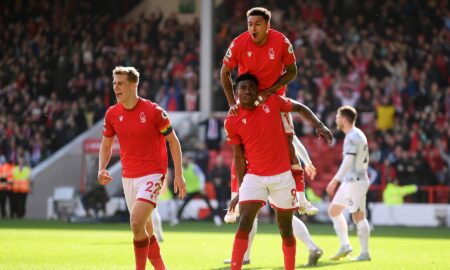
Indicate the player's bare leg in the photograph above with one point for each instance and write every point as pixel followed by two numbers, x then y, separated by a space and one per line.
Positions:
pixel 284 221
pixel 248 212
pixel 231 217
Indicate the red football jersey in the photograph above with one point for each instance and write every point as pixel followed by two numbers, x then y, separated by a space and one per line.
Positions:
pixel 266 62
pixel 141 132
pixel 261 132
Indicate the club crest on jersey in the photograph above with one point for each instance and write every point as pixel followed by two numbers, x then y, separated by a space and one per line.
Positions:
pixel 266 108
pixel 244 120
pixel 120 118
pixel 249 53
pixel 142 117
pixel 271 54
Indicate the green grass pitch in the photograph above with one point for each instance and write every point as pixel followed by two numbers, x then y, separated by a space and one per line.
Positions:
pixel 51 245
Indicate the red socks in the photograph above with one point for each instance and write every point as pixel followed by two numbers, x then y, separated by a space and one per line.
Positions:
pixel 140 253
pixel 154 254
pixel 289 249
pixel 240 246
pixel 299 179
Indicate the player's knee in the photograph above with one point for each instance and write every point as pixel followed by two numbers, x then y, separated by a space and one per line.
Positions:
pixel 137 224
pixel 332 212
pixel 358 216
pixel 285 230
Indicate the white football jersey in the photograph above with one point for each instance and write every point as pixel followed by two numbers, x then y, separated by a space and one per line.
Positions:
pixel 355 143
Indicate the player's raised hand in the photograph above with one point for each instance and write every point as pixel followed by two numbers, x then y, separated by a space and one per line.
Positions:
pixel 233 110
pixel 311 171
pixel 103 177
pixel 262 96
pixel 179 186
pixel 323 132
pixel 233 203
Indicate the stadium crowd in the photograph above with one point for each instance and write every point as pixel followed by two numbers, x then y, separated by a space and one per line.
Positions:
pixel 56 62
pixel 389 59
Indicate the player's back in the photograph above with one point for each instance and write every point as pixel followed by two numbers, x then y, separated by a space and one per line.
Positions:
pixel 355 143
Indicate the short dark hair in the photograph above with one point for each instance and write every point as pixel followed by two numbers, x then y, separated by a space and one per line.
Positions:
pixel 260 11
pixel 349 113
pixel 246 77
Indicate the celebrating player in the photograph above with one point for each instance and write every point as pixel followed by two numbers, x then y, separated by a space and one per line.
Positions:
pixel 267 54
pixel 142 128
pixel 263 171
pixel 354 179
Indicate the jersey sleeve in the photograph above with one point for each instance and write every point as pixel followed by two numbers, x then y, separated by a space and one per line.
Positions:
pixel 283 103
pixel 231 58
pixel 288 56
pixel 108 129
pixel 162 121
pixel 350 146
pixel 232 137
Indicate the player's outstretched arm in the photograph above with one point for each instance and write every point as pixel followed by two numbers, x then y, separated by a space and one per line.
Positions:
pixel 104 156
pixel 179 184
pixel 308 115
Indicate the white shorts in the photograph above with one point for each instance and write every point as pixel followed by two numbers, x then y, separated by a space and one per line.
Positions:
pixel 352 196
pixel 288 124
pixel 279 189
pixel 145 188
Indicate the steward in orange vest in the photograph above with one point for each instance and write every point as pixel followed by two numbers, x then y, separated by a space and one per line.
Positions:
pixel 5 187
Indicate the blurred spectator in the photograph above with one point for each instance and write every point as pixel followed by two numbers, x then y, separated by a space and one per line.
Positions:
pixel 220 175
pixel 213 132
pixel 195 187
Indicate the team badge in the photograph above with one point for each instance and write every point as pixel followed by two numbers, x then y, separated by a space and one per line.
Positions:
pixel 244 121
pixel 142 117
pixel 266 108
pixel 121 118
pixel 271 54
pixel 249 53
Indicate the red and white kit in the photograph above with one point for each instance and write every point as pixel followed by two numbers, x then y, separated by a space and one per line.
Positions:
pixel 143 152
pixel 266 150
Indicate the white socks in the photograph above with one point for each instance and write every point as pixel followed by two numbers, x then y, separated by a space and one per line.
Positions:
pixel 251 237
pixel 302 233
pixel 157 224
pixel 341 229
pixel 301 198
pixel 363 234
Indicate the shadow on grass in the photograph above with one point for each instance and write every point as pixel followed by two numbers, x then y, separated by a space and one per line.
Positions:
pixel 319 265
pixel 209 227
